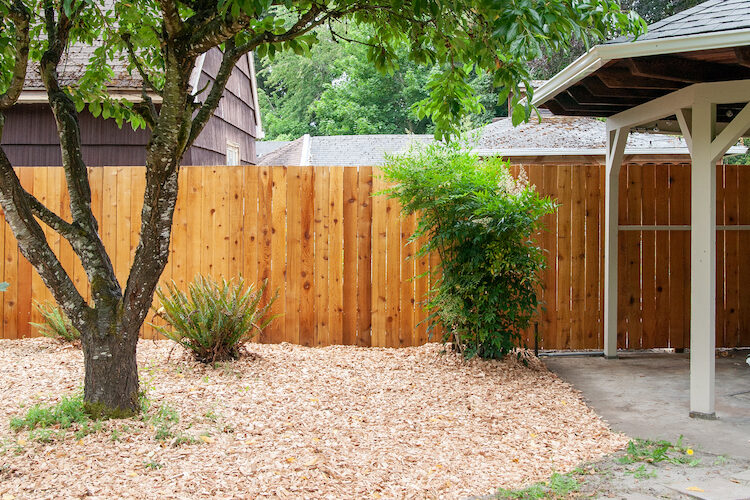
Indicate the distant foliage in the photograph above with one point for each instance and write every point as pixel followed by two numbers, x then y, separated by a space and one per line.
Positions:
pixel 743 159
pixel 214 319
pixel 56 324
pixel 481 222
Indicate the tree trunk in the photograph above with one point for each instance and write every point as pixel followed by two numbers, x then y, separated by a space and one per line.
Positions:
pixel 111 380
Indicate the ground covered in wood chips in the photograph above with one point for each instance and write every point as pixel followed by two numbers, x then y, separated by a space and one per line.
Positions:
pixel 294 422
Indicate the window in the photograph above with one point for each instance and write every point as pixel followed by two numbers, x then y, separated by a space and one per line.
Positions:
pixel 233 153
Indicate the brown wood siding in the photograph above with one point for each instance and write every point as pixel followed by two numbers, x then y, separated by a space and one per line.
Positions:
pixel 234 119
pixel 30 139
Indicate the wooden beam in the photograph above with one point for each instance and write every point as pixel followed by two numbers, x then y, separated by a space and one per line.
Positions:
pixel 582 96
pixel 623 78
pixel 743 55
pixel 683 70
pixel 597 88
pixel 567 101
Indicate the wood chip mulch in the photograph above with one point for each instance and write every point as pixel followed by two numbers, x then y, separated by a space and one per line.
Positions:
pixel 293 422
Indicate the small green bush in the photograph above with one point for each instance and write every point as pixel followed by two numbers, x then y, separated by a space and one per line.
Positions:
pixel 213 320
pixel 481 222
pixel 56 324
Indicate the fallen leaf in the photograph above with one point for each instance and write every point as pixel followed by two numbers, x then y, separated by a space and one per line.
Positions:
pixel 695 488
pixel 21 442
pixel 132 474
pixel 8 496
pixel 206 439
pixel 312 461
pixel 291 460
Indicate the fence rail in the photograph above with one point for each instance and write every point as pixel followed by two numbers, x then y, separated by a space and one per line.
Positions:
pixel 339 256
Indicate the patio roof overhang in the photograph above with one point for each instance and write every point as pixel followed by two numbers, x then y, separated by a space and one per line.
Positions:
pixel 697 86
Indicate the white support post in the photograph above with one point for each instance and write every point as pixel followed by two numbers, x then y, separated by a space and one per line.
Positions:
pixel 703 261
pixel 616 140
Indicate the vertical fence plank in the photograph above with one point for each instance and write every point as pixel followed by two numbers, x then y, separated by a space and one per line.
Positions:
pixel 591 338
pixel 564 268
pixel 350 200
pixel 293 255
pixel 743 265
pixel 307 256
pixel 236 214
pixel 731 258
pixel 406 335
pixel 379 249
pixel 250 224
pixel 322 206
pixel 278 251
pixel 393 272
pixel 648 257
pixel 336 256
pixel 264 237
pixel 548 330
pixel 661 281
pixel 364 257
pixel 577 257
pixel 679 251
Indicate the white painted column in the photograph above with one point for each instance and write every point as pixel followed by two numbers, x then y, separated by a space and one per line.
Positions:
pixel 702 261
pixel 616 140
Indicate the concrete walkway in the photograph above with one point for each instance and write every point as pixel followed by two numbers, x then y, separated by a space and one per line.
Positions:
pixel 647 396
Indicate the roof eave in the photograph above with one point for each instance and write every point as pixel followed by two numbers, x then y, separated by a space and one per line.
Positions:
pixel 600 55
pixel 38 96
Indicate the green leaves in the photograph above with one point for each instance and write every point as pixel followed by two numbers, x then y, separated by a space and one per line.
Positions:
pixel 481 222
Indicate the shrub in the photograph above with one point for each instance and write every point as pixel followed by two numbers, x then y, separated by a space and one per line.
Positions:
pixel 481 223
pixel 214 319
pixel 56 324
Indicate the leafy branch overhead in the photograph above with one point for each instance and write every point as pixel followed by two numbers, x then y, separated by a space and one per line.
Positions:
pixel 460 37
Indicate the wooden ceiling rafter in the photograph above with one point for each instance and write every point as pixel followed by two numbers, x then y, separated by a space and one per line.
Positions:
pixel 685 71
pixel 621 77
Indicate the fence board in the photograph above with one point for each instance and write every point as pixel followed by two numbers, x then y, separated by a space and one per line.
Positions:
pixel 339 256
pixel 350 222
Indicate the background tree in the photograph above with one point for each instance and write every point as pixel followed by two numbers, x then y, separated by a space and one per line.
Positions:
pixel 338 91
pixel 161 40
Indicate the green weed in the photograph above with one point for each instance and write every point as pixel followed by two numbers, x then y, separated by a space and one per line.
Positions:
pixel 558 486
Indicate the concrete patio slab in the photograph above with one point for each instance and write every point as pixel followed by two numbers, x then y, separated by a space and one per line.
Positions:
pixel 646 395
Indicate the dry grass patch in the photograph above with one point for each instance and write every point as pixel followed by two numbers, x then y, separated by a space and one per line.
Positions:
pixel 296 422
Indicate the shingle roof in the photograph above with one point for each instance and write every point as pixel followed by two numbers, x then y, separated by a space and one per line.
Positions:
pixel 263 148
pixel 563 132
pixel 554 135
pixel 289 154
pixel 707 17
pixel 343 150
pixel 73 65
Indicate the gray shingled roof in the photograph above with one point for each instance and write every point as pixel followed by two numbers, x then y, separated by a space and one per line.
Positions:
pixel 343 150
pixel 563 133
pixel 707 17
pixel 263 148
pixel 555 135
pixel 73 64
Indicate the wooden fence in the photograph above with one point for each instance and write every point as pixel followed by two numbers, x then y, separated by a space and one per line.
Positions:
pixel 338 255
